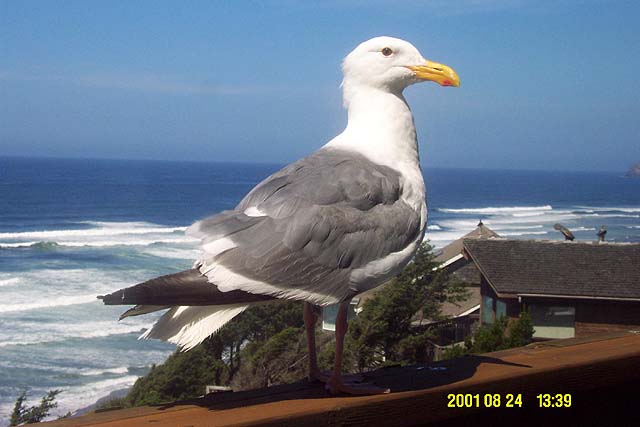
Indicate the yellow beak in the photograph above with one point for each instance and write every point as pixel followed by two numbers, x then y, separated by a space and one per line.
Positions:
pixel 439 73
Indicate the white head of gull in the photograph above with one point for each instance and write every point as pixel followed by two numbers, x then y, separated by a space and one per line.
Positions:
pixel 332 225
pixel 380 123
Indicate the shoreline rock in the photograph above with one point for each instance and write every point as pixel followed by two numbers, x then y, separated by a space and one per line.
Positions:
pixel 634 171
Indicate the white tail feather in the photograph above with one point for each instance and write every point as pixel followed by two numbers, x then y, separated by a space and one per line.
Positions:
pixel 188 326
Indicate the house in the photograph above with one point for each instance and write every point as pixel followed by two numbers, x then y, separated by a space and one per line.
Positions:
pixel 452 259
pixel 571 289
pixel 458 320
pixel 461 317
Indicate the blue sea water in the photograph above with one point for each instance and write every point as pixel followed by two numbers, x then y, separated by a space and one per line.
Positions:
pixel 74 229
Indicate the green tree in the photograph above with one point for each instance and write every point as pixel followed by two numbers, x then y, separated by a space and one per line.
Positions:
pixel 490 337
pixel 182 376
pixel 220 358
pixel 502 334
pixel 266 344
pixel 279 359
pixel 34 414
pixel 383 333
pixel 499 335
pixel 454 352
pixel 521 331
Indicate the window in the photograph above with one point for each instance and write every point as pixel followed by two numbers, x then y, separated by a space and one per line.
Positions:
pixel 501 308
pixel 330 312
pixel 553 321
pixel 487 309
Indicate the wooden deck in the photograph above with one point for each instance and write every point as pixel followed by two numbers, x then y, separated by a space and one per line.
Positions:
pixel 601 374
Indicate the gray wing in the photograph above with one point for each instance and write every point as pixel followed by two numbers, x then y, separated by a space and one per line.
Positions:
pixel 320 218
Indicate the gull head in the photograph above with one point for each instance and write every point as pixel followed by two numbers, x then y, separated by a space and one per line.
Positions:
pixel 392 64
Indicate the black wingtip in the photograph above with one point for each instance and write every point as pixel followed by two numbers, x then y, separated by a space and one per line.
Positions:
pixel 114 298
pixel 100 297
pixel 187 287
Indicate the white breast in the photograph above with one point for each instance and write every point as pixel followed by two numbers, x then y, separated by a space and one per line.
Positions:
pixel 381 128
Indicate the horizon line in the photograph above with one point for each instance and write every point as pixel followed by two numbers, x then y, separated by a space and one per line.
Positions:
pixel 284 163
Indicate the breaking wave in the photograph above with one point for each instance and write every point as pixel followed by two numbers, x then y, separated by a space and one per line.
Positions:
pixel 46 334
pixel 101 235
pixel 524 233
pixel 49 303
pixel 95 243
pixel 104 229
pixel 51 289
pixel 9 282
pixel 629 209
pixel 605 215
pixel 72 399
pixel 497 210
pixel 529 221
pixel 95 372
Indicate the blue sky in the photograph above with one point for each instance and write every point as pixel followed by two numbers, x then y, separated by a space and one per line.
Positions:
pixel 545 84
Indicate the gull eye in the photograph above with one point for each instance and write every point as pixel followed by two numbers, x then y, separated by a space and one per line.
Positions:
pixel 386 51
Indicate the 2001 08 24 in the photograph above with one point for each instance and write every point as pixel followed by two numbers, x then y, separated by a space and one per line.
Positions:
pixel 468 400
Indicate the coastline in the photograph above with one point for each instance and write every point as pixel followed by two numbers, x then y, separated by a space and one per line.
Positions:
pixel 75 246
pixel 116 394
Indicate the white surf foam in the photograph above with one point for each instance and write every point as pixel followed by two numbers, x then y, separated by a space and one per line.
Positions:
pixel 539 216
pixel 106 371
pixel 524 233
pixel 498 227
pixel 51 288
pixel 32 334
pixel 603 215
pixel 72 399
pixel 18 244
pixel 173 253
pixel 509 221
pixel 103 231
pixel 58 369
pixel 497 210
pixel 103 235
pixel 629 209
pixel 99 243
pixel 9 282
pixel 51 302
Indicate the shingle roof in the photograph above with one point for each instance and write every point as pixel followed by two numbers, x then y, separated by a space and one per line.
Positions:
pixel 558 268
pixel 450 309
pixel 455 248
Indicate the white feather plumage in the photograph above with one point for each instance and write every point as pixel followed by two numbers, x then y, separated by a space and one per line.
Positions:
pixel 188 326
pixel 380 127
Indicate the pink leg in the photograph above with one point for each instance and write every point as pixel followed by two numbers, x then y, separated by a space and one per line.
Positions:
pixel 310 318
pixel 336 383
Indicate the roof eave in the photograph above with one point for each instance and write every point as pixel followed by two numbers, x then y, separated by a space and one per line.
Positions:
pixel 530 295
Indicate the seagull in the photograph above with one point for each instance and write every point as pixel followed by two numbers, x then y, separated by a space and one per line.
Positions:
pixel 568 235
pixel 330 226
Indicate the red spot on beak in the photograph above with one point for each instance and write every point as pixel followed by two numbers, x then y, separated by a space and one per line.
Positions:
pixel 446 83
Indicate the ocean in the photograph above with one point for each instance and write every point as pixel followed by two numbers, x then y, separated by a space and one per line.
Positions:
pixel 74 229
